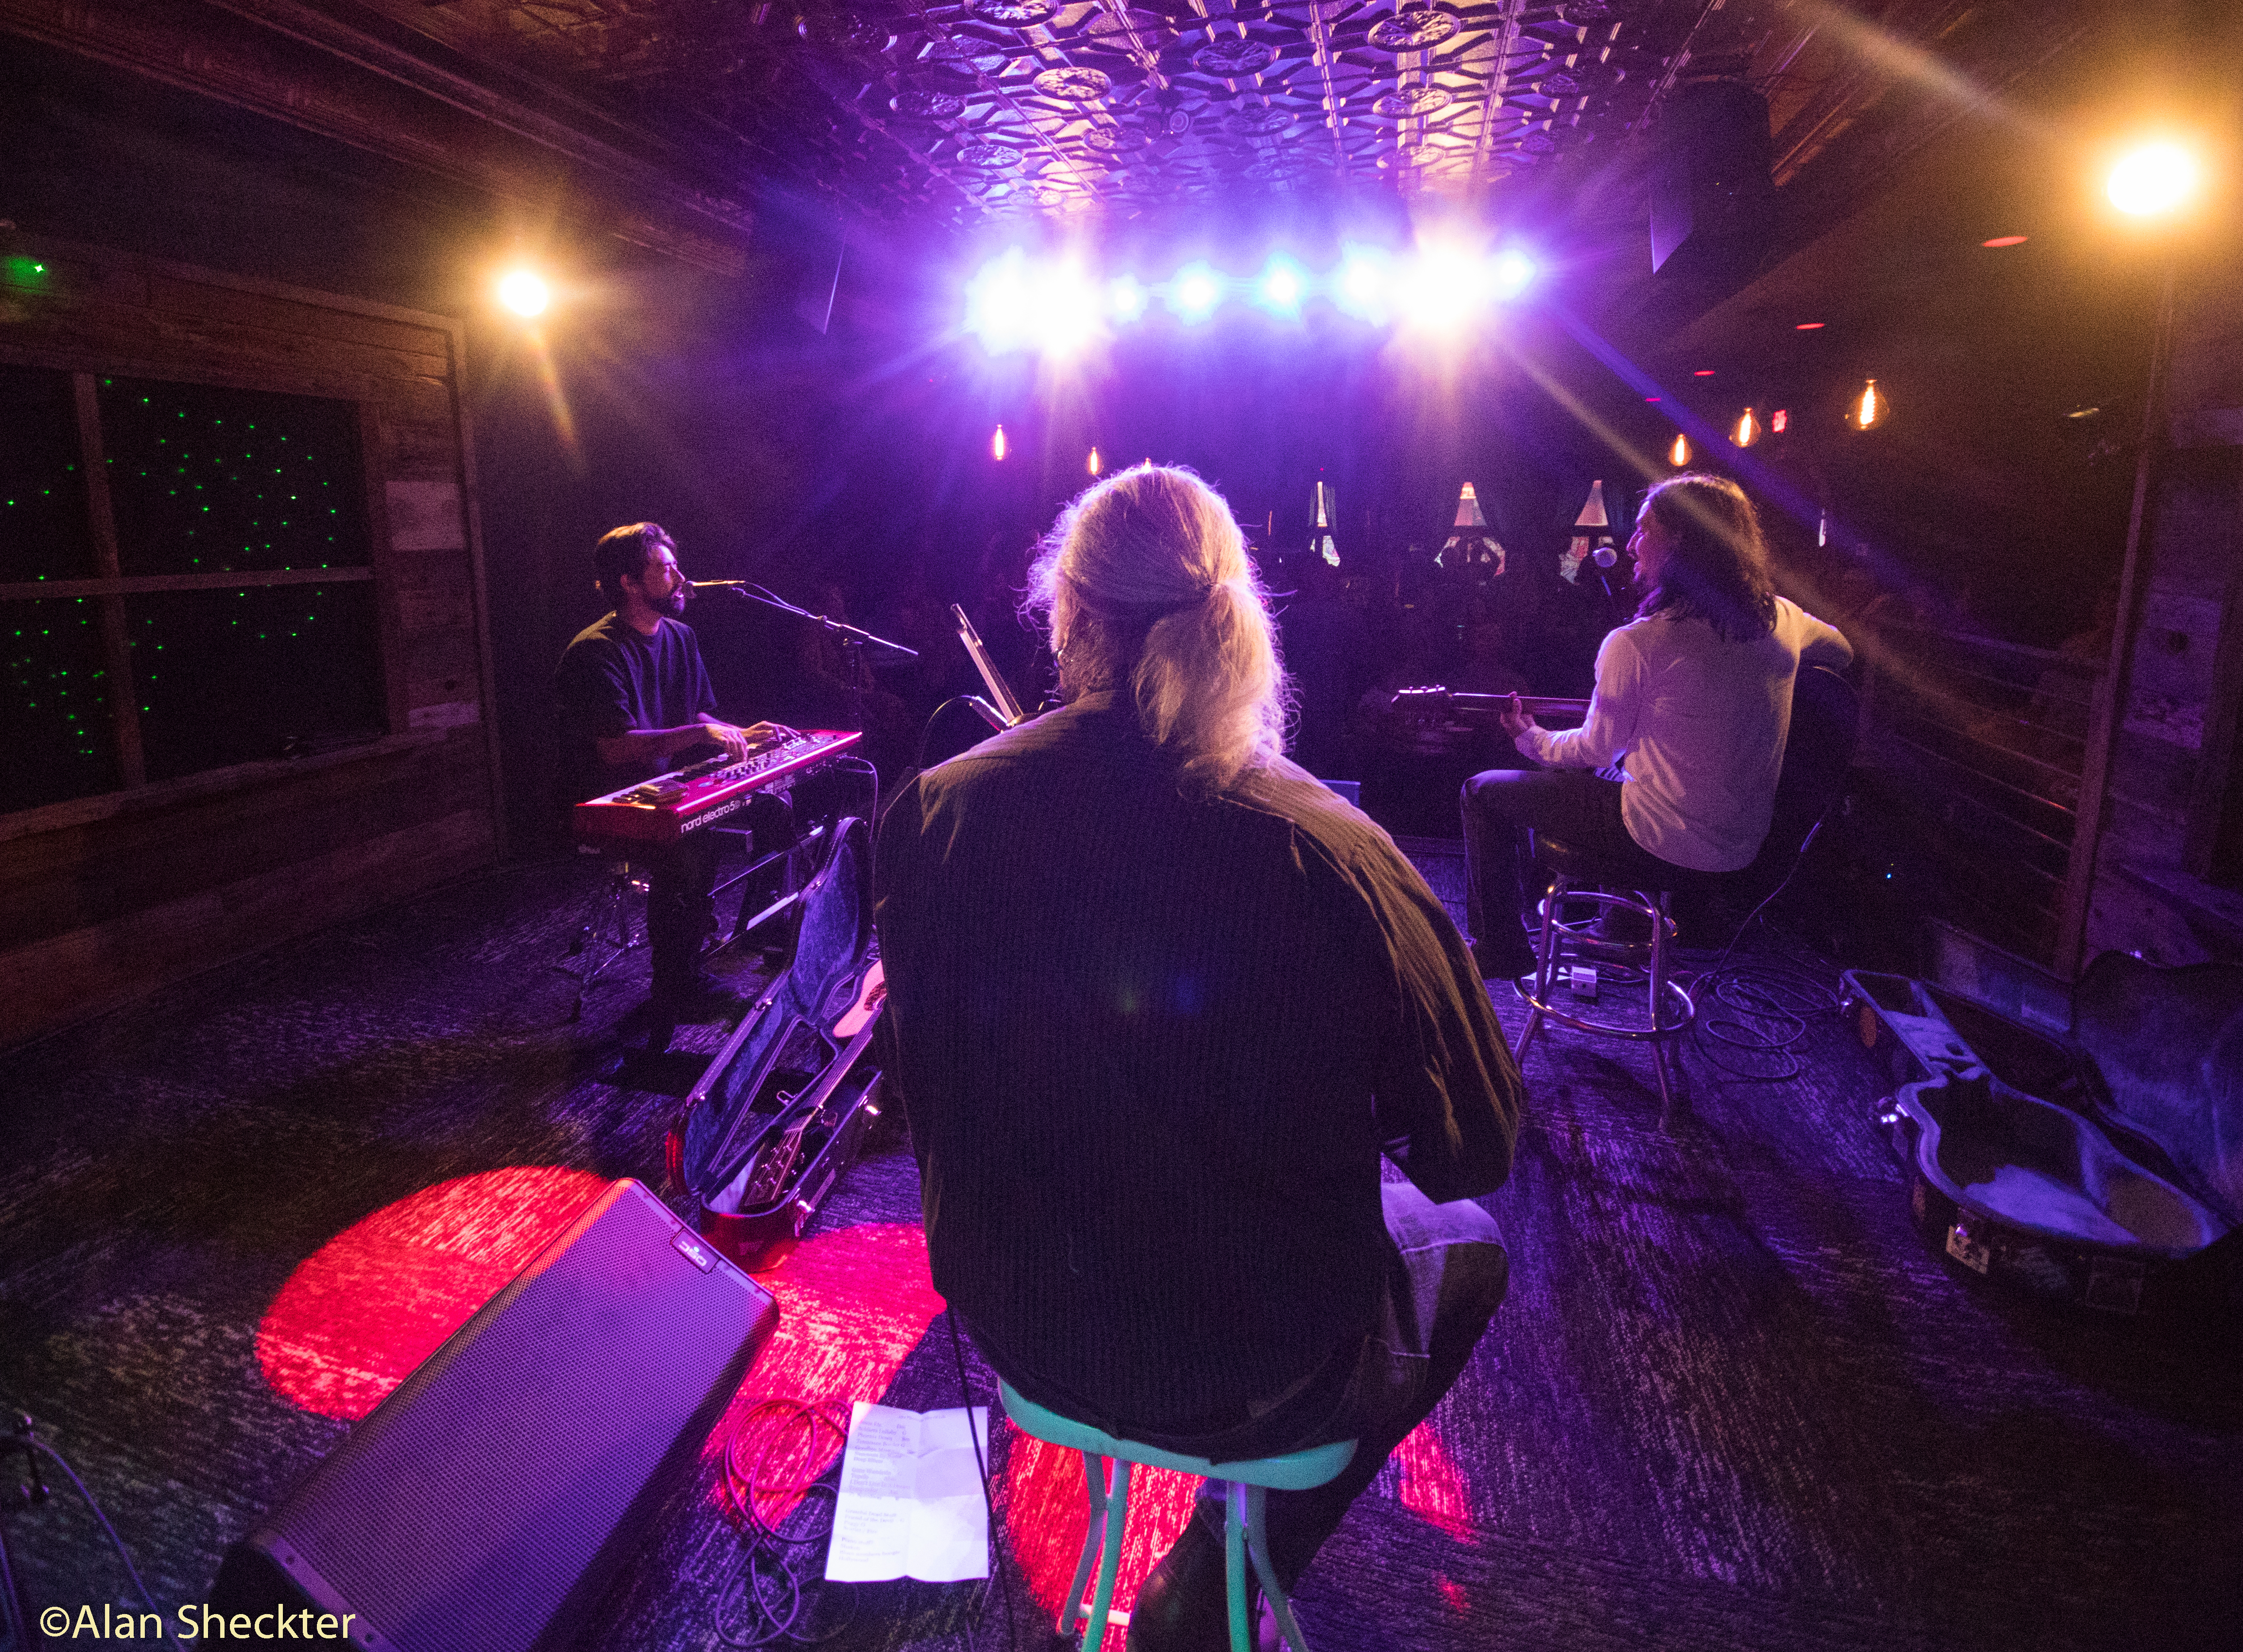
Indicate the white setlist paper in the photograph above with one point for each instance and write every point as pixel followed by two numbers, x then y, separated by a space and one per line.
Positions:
pixel 910 1504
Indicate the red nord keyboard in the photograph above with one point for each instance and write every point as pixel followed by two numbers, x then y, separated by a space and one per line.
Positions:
pixel 664 809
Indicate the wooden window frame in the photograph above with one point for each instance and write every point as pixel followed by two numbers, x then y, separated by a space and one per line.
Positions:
pixel 111 586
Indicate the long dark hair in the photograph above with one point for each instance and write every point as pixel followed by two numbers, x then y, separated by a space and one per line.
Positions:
pixel 1719 571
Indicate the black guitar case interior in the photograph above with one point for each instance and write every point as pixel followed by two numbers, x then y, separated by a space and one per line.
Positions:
pixel 2104 1168
pixel 787 1101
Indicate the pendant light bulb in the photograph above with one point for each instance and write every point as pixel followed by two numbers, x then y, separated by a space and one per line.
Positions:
pixel 997 444
pixel 1747 430
pixel 1679 454
pixel 1871 408
pixel 1094 464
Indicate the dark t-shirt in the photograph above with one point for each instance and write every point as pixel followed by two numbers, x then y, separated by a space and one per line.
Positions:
pixel 1149 1047
pixel 612 680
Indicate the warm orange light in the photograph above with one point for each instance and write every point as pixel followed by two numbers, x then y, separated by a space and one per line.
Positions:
pixel 1679 454
pixel 997 443
pixel 1094 464
pixel 2004 240
pixel 1747 430
pixel 2153 179
pixel 1870 409
pixel 1809 327
pixel 525 292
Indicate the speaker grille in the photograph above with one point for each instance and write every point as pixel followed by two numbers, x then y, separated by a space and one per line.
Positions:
pixel 501 1475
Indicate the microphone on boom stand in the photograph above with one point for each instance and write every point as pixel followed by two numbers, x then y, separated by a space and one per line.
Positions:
pixel 1605 557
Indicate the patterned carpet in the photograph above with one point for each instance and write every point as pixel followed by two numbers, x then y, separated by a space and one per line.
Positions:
pixel 1734 1401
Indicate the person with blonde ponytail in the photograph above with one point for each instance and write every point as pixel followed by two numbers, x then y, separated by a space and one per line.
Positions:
pixel 1158 1002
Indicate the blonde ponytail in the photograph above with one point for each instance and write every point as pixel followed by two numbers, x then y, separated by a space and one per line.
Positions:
pixel 1154 561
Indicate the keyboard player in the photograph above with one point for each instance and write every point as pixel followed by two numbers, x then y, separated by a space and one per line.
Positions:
pixel 636 702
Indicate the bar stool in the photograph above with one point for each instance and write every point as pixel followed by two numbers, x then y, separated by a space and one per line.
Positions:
pixel 1647 885
pixel 616 923
pixel 1245 1486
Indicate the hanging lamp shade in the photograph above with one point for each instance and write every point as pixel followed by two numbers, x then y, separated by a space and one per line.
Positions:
pixel 1320 538
pixel 1593 509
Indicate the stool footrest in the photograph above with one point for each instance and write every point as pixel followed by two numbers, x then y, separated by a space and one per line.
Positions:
pixel 1246 1485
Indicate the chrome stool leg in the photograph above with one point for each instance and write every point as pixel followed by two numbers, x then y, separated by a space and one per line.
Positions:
pixel 1668 1007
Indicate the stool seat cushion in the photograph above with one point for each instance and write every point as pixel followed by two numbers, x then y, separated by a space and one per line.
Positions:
pixel 1295 1470
pixel 1635 867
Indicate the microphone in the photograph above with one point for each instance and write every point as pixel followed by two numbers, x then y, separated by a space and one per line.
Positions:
pixel 728 587
pixel 1605 556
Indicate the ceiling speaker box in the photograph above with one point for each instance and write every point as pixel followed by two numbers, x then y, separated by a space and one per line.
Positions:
pixel 487 1502
pixel 1712 201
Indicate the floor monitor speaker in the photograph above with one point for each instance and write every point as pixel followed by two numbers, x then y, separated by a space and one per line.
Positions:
pixel 486 1503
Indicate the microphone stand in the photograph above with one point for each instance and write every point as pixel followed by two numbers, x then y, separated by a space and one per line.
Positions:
pixel 853 640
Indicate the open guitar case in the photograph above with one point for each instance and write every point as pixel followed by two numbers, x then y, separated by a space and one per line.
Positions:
pixel 787 1101
pixel 2102 1167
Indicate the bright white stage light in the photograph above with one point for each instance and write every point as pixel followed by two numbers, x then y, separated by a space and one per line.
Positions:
pixel 523 293
pixel 1013 304
pixel 1513 273
pixel 1364 283
pixel 2153 179
pixel 1195 293
pixel 1283 287
pixel 1127 298
pixel 1442 287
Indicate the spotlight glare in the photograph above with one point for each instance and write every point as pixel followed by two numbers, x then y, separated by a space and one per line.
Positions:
pixel 522 292
pixel 1363 281
pixel 1513 274
pixel 1013 305
pixel 1195 293
pixel 1442 287
pixel 2155 179
pixel 1126 299
pixel 1283 287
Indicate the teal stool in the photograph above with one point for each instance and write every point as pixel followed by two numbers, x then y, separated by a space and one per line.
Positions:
pixel 1244 1486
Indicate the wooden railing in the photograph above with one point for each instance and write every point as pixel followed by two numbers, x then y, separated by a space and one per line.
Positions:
pixel 1976 747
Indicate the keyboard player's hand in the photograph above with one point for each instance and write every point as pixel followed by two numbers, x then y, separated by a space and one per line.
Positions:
pixel 737 742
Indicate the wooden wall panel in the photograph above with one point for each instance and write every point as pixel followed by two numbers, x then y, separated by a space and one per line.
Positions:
pixel 104 898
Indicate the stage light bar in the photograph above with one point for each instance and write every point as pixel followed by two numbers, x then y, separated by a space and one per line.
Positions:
pixel 1018 302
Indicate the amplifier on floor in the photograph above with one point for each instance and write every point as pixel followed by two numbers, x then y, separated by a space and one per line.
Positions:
pixel 486 1503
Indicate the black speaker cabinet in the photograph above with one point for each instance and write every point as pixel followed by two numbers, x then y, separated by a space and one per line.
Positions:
pixel 1712 201
pixel 486 1503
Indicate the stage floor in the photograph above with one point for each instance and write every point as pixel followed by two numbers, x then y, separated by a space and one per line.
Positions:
pixel 1734 1400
